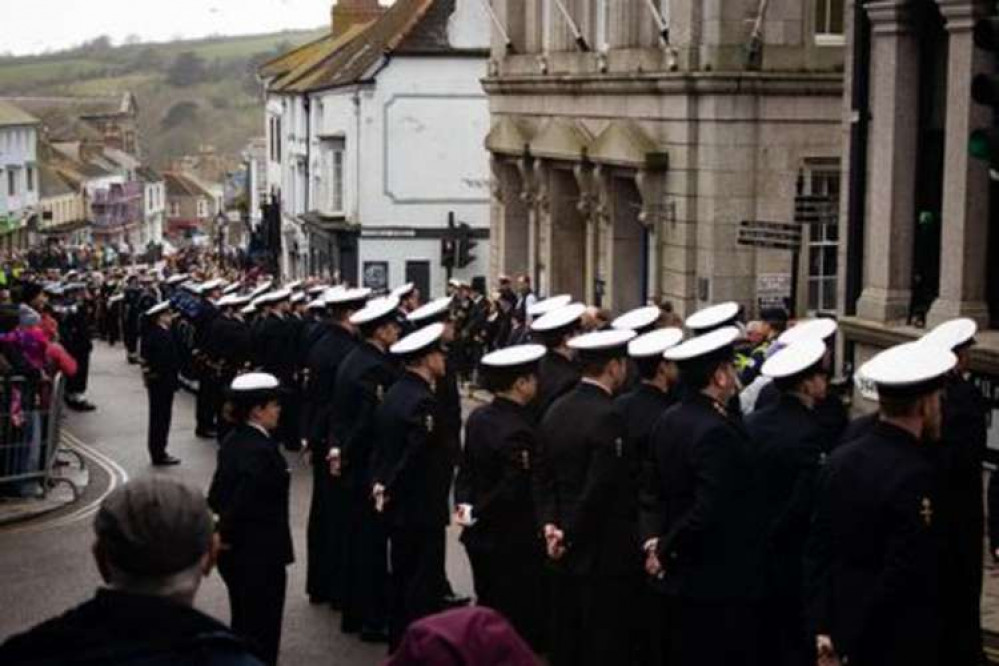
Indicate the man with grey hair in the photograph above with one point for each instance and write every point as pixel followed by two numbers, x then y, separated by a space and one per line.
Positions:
pixel 155 542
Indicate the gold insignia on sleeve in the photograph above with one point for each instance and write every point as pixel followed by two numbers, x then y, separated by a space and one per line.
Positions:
pixel 618 447
pixel 926 512
pixel 429 422
pixel 380 392
pixel 525 460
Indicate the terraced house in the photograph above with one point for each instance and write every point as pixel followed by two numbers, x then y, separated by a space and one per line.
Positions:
pixel 634 142
pixel 375 141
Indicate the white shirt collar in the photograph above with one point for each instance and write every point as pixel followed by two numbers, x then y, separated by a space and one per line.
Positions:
pixel 257 426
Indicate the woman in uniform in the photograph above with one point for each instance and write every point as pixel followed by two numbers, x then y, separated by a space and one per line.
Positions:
pixel 249 493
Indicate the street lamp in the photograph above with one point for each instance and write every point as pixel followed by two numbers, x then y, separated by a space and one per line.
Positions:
pixel 220 224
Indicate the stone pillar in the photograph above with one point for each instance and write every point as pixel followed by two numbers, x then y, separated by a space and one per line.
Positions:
pixel 893 145
pixel 964 230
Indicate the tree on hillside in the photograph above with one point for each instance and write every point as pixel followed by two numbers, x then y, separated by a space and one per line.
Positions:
pixel 146 59
pixel 187 69
pixel 180 114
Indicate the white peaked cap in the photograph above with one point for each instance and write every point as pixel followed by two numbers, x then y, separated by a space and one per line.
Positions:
pixel 549 305
pixel 795 358
pixel 822 328
pixel 559 318
pixel 418 340
pixel 716 315
pixel 703 345
pixel 638 318
pixel 655 343
pixel 511 357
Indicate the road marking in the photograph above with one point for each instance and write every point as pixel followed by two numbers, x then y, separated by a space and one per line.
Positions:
pixel 116 475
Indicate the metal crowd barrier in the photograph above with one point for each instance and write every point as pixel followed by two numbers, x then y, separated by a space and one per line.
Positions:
pixel 31 454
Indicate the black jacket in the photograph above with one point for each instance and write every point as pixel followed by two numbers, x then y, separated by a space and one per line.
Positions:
pixel 160 358
pixel 362 382
pixel 250 494
pixel 322 364
pixel 117 628
pixel 789 443
pixel 585 483
pixel 873 559
pixel 228 345
pixel 275 347
pixel 411 458
pixel 495 476
pixel 556 377
pixel 707 508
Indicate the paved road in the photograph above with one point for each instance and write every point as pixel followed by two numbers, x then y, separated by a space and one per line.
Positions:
pixel 46 567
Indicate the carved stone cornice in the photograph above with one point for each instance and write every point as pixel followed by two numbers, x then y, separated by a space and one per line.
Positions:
pixel 960 15
pixel 890 17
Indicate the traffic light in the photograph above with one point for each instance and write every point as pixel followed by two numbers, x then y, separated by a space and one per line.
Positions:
pixel 448 253
pixel 983 144
pixel 465 245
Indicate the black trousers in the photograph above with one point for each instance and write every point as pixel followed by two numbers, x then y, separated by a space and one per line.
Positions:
pixel 714 633
pixel 77 384
pixel 131 337
pixel 257 590
pixel 365 569
pixel 207 403
pixel 414 580
pixel 160 413
pixel 592 620
pixel 326 534
pixel 508 580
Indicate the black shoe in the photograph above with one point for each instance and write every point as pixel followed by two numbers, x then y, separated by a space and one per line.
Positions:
pixel 80 406
pixel 166 461
pixel 456 600
pixel 374 636
pixel 205 433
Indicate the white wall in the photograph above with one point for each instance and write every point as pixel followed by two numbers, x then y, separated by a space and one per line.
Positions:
pixel 18 150
pixel 398 251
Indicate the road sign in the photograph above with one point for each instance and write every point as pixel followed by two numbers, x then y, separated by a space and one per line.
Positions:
pixel 815 209
pixel 774 290
pixel 770 235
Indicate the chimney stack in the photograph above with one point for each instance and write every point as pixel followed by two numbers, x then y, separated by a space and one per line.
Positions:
pixel 348 13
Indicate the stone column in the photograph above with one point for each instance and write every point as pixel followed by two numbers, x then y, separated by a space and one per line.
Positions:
pixel 964 231
pixel 890 232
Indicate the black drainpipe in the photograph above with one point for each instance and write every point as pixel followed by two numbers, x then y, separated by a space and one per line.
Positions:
pixel 860 97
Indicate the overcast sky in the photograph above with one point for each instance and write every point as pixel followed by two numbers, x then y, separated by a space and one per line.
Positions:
pixel 37 25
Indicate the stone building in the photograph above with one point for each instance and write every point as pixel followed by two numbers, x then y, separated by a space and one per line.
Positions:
pixel 630 139
pixel 917 216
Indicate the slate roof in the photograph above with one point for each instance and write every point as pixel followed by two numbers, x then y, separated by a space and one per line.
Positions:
pixel 51 183
pixel 184 185
pixel 14 116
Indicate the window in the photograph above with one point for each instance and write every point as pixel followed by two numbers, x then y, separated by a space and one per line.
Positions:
pixel 202 208
pixel 30 174
pixel 823 238
pixel 275 132
pixel 174 209
pixel 11 182
pixel 829 18
pixel 600 25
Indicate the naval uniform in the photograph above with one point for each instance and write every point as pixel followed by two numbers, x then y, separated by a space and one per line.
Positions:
pixel 503 545
pixel 249 492
pixel 160 365
pixel 209 391
pixel 325 530
pixel 586 486
pixel 359 566
pixel 557 375
pixel 709 531
pixel 412 462
pixel 276 352
pixel 640 408
pixel 790 444
pixel 74 330
pixel 873 557
pixel 962 453
pixel 229 347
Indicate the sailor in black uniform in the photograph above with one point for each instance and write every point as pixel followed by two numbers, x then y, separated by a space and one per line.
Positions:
pixel 228 348
pixel 160 365
pixel 327 513
pixel 495 506
pixel 873 566
pixel 209 397
pixel 276 352
pixel 587 508
pixel 791 444
pixel 250 493
pixel 656 391
pixel 640 320
pixel 557 372
pixel 409 301
pixel 363 380
pixel 412 478
pixel 707 550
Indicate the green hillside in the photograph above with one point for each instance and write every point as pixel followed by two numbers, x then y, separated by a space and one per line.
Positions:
pixel 189 92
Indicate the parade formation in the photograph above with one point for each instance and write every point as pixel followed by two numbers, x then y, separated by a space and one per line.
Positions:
pixel 629 491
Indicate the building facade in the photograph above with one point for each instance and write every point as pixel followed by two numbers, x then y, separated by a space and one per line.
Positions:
pixel 919 214
pixel 19 188
pixel 192 208
pixel 632 140
pixel 375 139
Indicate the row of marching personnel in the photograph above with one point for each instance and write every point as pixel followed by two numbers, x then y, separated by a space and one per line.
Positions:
pixel 615 504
